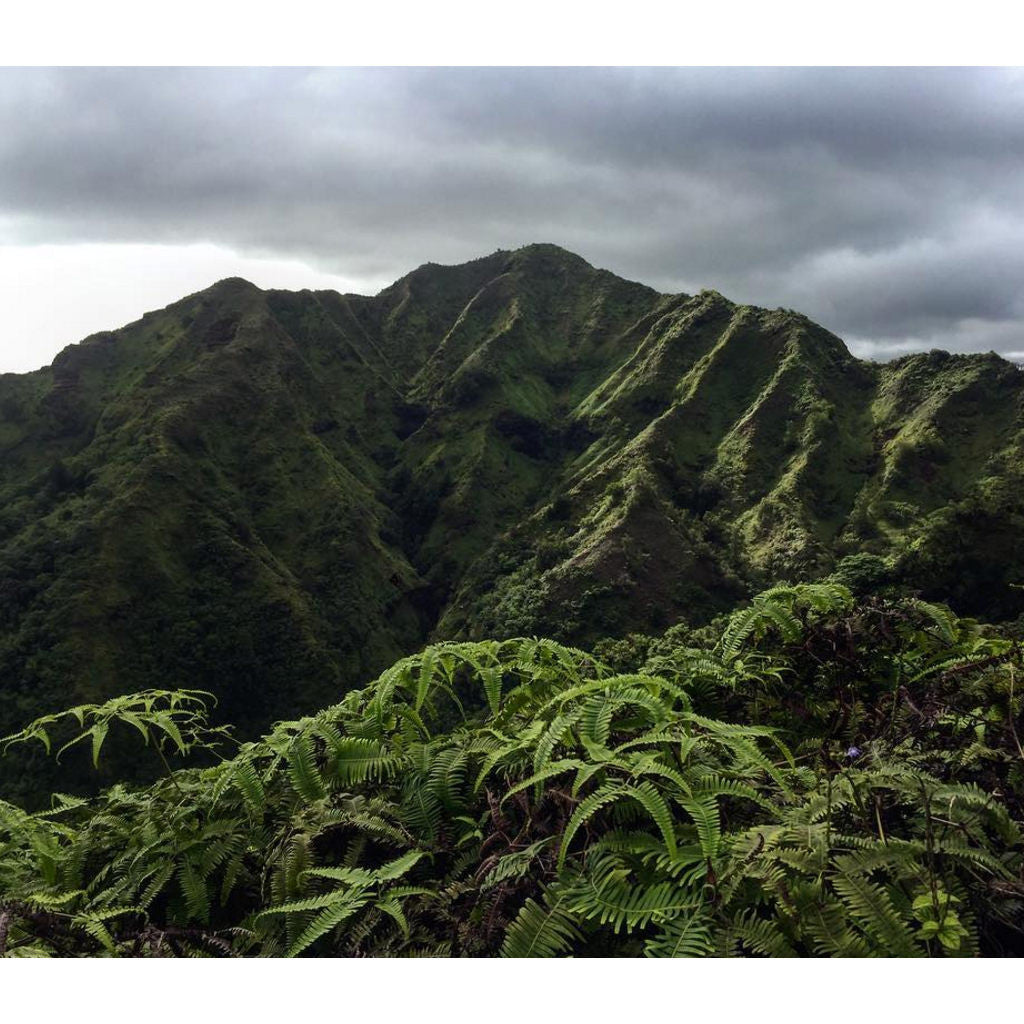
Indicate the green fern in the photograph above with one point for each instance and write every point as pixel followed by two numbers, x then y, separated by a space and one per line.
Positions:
pixel 542 930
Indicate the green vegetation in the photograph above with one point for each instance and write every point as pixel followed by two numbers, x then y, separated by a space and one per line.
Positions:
pixel 523 798
pixel 272 496
pixel 242 507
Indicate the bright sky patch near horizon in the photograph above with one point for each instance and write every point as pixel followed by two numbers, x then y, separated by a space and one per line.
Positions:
pixel 56 295
pixel 887 204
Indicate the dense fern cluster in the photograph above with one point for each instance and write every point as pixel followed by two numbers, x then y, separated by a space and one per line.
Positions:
pixel 524 798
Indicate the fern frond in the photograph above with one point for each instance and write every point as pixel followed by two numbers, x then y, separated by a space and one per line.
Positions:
pixel 303 771
pixel 871 905
pixel 538 930
pixel 688 935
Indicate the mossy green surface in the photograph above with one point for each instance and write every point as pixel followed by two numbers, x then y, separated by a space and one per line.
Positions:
pixel 273 495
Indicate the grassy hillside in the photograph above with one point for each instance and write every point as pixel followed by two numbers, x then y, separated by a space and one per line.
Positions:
pixel 273 495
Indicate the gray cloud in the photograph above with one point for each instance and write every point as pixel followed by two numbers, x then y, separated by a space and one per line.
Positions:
pixel 888 204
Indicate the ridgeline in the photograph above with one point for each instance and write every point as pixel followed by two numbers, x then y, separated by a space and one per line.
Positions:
pixel 274 495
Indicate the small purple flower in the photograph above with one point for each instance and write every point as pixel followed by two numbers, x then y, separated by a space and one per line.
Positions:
pixel 853 753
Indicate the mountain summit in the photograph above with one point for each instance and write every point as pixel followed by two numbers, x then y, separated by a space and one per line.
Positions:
pixel 272 495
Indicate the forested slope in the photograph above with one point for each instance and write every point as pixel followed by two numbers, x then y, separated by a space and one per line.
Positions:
pixel 274 495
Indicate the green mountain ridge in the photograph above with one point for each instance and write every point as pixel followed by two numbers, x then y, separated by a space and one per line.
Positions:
pixel 273 495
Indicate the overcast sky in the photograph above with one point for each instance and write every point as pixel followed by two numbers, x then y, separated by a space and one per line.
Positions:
pixel 886 204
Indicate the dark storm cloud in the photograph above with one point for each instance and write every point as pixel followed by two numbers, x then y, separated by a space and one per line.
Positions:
pixel 889 204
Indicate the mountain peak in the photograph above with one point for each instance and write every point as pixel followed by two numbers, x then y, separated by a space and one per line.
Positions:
pixel 232 287
pixel 549 251
pixel 253 486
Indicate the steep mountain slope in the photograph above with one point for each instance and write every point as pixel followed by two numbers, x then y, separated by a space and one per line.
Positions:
pixel 272 495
